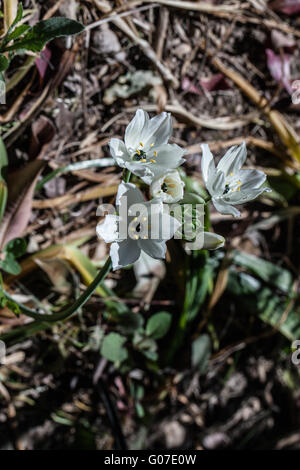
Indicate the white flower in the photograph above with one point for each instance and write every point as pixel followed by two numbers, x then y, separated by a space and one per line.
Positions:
pixel 131 234
pixel 227 183
pixel 168 187
pixel 146 151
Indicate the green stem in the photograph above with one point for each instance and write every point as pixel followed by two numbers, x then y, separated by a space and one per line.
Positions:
pixel 70 310
pixel 126 176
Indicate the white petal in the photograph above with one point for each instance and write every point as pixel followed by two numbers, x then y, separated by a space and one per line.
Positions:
pixel 169 157
pixel 162 226
pixel 212 241
pixel 134 130
pixel 251 179
pixel 207 162
pixel 154 248
pixel 157 131
pixel 224 208
pixel 233 159
pixel 119 152
pixel 124 253
pixel 240 197
pixel 156 186
pixel 133 194
pixel 108 229
pixel 142 170
pixel 216 183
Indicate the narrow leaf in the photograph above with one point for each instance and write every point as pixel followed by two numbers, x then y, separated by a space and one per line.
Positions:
pixel 268 272
pixel 201 352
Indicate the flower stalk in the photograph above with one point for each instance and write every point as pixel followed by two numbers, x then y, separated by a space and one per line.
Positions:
pixel 69 311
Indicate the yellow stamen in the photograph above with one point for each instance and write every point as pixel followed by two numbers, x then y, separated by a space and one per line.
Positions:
pixel 152 161
pixel 239 188
pixel 143 160
pixel 141 144
pixel 152 145
pixel 231 174
pixel 155 153
pixel 138 152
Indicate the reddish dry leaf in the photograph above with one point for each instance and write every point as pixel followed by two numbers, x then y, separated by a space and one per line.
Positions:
pixel 21 186
pixel 187 85
pixel 21 183
pixel 289 7
pixel 42 63
pixel 280 68
pixel 43 131
pixel 213 83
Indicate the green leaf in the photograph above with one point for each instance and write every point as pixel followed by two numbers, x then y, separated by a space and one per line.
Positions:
pixel 4 302
pixel 4 63
pixel 18 18
pixel 113 348
pixel 268 272
pixel 3 160
pixel 16 247
pixel 37 37
pixel 18 32
pixel 201 352
pixel 128 322
pixel 10 265
pixel 3 198
pixel 158 325
pixel 139 410
pixel 256 299
pixel 15 22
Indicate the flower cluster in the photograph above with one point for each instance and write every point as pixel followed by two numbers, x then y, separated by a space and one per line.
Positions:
pixel 138 225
